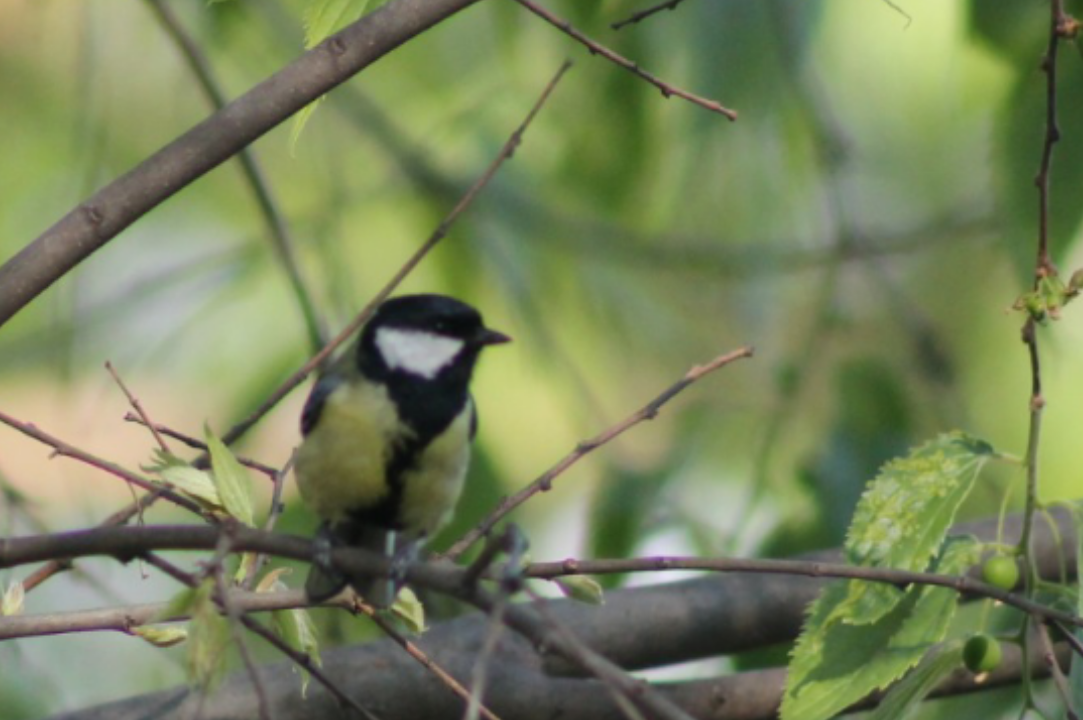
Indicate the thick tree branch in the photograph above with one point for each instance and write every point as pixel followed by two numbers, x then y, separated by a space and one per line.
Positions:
pixel 210 143
pixel 638 627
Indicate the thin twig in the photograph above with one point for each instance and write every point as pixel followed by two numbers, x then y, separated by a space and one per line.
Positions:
pixel 1044 265
pixel 129 542
pixel 124 618
pixel 197 444
pixel 275 511
pixel 418 654
pixel 543 627
pixel 301 659
pixel 67 450
pixel 598 49
pixel 120 517
pixel 1049 655
pixel 137 406
pixel 279 231
pixel 644 14
pixel 438 234
pixel 479 676
pixel 234 614
pixel 545 482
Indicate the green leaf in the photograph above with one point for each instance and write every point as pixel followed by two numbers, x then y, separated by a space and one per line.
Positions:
pixel 179 606
pixel 322 19
pixel 297 630
pixel 582 588
pixel 245 567
pixel 409 609
pixel 837 663
pixel 163 459
pixel 916 686
pixel 13 600
pixel 208 640
pixel 162 637
pixel 196 484
pixel 902 518
pixel 231 479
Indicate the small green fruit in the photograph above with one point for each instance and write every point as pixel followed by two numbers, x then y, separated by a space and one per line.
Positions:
pixel 982 653
pixel 1001 571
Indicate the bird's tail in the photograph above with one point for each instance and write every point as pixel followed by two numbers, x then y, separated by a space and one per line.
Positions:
pixel 325 581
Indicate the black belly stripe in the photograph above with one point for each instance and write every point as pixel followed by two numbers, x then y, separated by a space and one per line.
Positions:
pixel 427 407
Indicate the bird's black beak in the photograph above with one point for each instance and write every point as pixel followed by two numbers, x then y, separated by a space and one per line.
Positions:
pixel 485 336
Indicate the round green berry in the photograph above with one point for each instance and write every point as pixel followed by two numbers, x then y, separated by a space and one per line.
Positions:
pixel 1001 571
pixel 982 653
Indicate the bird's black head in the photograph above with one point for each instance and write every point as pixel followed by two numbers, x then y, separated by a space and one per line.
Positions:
pixel 424 337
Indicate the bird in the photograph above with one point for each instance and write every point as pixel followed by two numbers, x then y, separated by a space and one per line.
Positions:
pixel 386 433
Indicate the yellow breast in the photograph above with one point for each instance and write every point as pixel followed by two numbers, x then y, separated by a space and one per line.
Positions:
pixel 433 485
pixel 340 466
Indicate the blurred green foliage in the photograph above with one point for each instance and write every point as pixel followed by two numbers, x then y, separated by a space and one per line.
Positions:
pixel 864 224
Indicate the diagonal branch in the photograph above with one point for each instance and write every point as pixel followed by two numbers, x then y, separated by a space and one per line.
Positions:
pixel 598 49
pixel 544 483
pixel 103 216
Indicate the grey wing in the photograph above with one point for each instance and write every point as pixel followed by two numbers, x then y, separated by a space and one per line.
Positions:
pixel 314 405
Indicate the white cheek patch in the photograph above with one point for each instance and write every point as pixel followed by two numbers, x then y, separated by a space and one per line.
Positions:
pixel 416 351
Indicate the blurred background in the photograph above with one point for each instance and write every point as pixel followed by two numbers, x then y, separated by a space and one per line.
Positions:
pixel 866 225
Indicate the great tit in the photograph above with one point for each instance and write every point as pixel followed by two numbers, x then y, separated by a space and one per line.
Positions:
pixel 387 432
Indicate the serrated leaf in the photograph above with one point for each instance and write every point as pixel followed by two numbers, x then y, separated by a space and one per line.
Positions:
pixel 231 479
pixel 162 637
pixel 903 516
pixel 297 630
pixel 917 685
pixel 13 602
pixel 163 459
pixel 582 588
pixel 208 640
pixel 835 663
pixel 196 484
pixel 408 607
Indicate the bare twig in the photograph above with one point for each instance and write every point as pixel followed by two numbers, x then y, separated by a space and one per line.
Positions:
pixel 120 517
pixel 418 654
pixel 128 542
pixel 216 570
pixel 646 13
pixel 479 677
pixel 598 49
pixel 544 482
pixel 544 629
pixel 279 231
pixel 197 444
pixel 301 659
pixel 66 450
pixel 124 618
pixel 1049 655
pixel 441 231
pixel 137 406
pixel 275 511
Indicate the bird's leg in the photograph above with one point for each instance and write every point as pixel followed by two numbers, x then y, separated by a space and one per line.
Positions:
pixel 322 544
pixel 402 554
